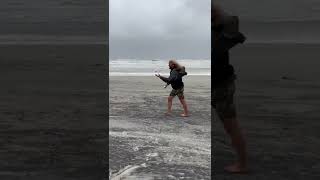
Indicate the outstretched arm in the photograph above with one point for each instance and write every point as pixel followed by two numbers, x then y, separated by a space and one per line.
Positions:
pixel 164 79
pixel 170 79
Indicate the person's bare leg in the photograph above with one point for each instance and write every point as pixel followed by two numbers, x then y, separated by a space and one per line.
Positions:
pixel 169 111
pixel 232 127
pixel 185 107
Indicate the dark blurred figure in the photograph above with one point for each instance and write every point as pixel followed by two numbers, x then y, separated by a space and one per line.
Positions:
pixel 225 35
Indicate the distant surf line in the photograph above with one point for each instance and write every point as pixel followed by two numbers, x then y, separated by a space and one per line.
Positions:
pixel 152 74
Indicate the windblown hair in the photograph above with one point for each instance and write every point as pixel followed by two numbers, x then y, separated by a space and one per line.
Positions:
pixel 177 66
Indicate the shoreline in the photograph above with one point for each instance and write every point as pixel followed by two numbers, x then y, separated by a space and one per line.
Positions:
pixel 158 145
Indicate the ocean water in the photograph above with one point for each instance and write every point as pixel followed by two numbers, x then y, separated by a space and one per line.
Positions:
pixel 138 67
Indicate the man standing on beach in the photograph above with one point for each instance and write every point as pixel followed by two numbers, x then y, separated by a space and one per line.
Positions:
pixel 225 35
pixel 175 79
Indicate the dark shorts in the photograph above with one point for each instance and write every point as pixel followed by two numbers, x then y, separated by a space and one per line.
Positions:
pixel 223 99
pixel 177 92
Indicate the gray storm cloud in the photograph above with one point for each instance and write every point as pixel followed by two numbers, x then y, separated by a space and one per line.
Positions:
pixel 159 28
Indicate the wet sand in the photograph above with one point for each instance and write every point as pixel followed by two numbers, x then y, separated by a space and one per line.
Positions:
pixel 53 112
pixel 278 104
pixel 148 143
pixel 278 101
pixel 53 120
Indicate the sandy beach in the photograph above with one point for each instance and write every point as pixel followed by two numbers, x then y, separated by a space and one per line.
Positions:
pixel 53 112
pixel 53 105
pixel 278 101
pixel 278 106
pixel 146 144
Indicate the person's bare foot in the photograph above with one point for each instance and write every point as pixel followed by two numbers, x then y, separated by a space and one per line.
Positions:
pixel 184 115
pixel 236 169
pixel 168 113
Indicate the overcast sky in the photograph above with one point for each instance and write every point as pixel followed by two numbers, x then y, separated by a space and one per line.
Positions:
pixel 152 29
pixel 155 28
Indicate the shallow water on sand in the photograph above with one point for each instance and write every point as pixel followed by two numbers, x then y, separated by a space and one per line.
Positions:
pixel 145 143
